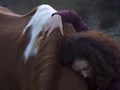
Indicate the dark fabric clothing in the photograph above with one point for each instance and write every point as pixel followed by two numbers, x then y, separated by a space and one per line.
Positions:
pixel 72 17
pixel 115 85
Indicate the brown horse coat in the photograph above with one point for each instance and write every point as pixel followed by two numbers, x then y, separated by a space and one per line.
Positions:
pixel 42 72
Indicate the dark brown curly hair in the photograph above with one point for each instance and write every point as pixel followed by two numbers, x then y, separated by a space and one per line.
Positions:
pixel 102 52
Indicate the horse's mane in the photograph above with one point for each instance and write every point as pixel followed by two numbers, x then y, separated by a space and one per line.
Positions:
pixel 47 68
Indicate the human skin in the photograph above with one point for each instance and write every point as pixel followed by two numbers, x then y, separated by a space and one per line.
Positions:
pixel 82 67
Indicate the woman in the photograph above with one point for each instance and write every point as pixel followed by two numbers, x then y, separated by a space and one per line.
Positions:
pixel 94 56
pixel 67 16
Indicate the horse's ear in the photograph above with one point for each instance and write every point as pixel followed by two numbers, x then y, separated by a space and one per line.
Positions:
pixel 30 13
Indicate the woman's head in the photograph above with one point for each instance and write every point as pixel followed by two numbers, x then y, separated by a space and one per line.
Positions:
pixel 74 55
pixel 82 67
pixel 99 53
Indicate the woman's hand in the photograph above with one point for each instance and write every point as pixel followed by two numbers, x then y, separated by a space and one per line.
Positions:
pixel 53 23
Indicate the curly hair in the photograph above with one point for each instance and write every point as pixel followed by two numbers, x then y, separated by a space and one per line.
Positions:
pixel 102 52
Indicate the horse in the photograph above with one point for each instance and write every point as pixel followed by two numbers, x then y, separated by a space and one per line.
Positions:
pixel 32 62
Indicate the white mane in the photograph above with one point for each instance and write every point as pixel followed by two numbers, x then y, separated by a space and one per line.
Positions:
pixel 41 16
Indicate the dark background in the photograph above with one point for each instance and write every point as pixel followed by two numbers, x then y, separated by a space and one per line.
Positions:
pixel 103 15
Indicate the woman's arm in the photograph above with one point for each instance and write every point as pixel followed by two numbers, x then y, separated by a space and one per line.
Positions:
pixel 72 17
pixel 64 16
pixel 53 23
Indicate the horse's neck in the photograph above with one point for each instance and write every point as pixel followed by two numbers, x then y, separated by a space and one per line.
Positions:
pixel 71 80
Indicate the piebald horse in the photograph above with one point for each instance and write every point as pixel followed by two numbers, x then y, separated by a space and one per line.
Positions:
pixel 29 61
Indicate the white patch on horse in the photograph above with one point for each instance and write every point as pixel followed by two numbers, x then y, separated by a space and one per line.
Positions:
pixel 41 16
